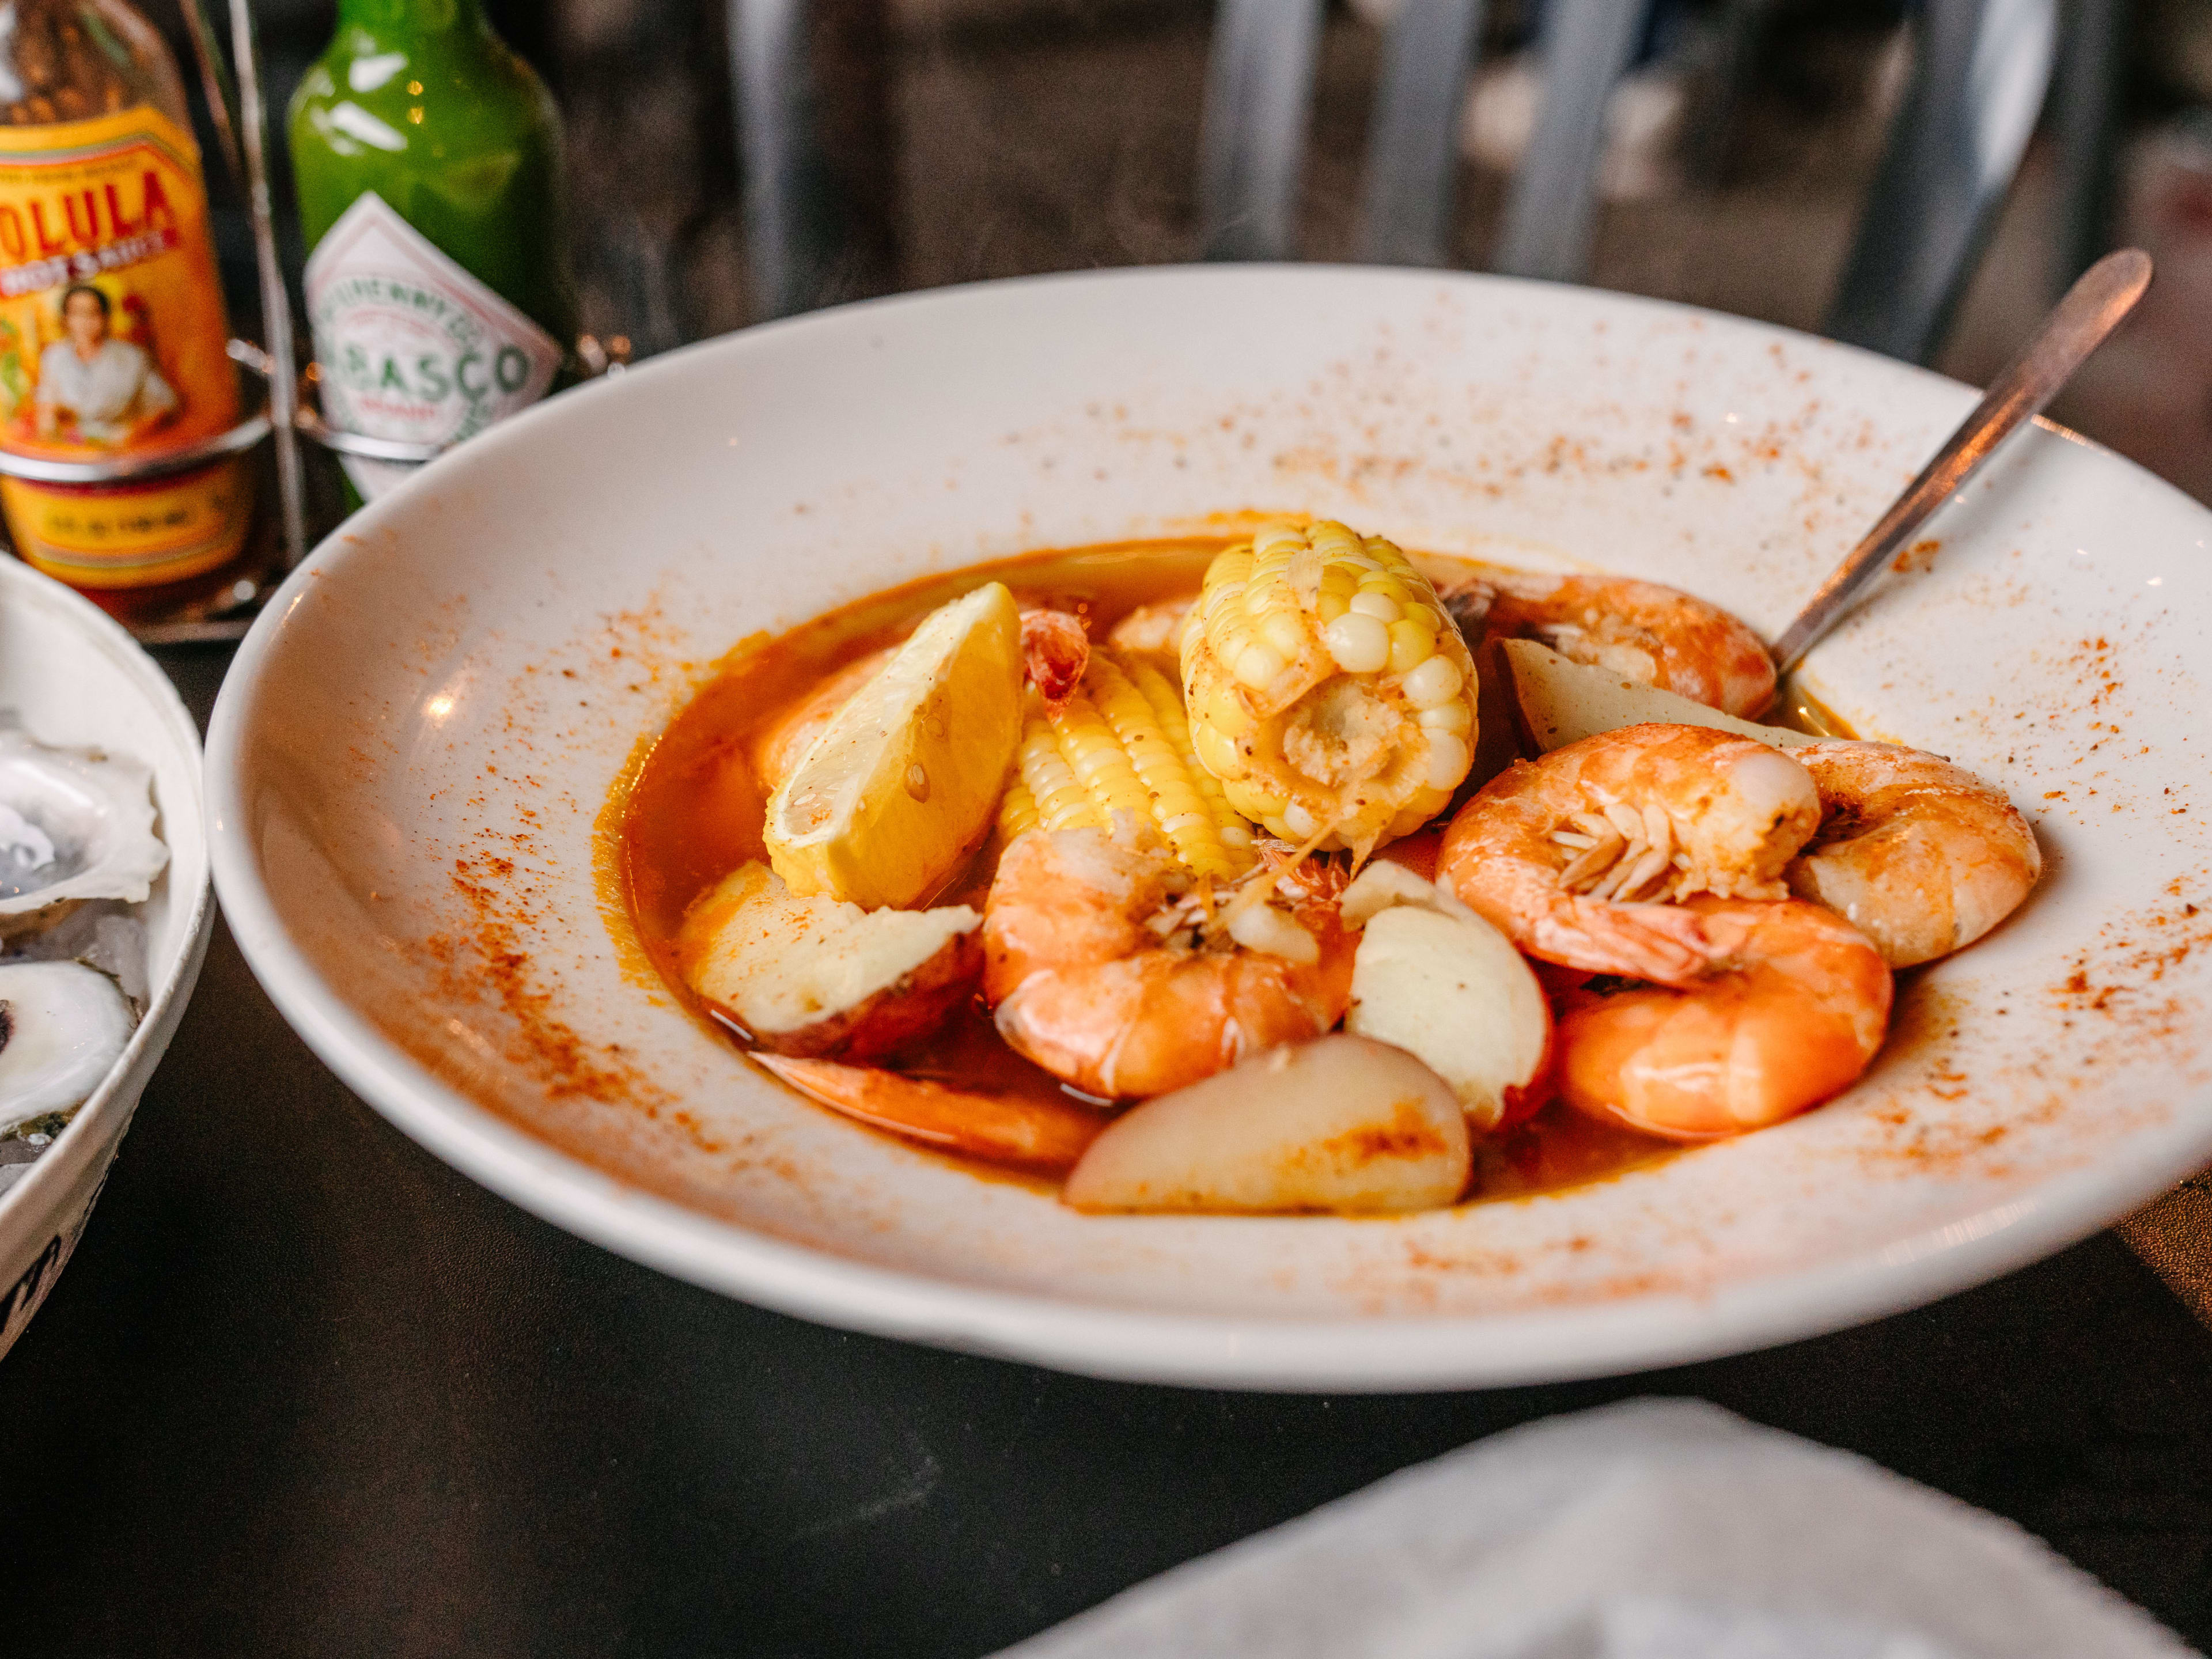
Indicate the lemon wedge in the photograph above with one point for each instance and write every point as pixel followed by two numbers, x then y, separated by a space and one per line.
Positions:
pixel 901 785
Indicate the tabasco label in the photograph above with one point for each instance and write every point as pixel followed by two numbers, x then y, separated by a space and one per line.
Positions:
pixel 411 345
pixel 112 339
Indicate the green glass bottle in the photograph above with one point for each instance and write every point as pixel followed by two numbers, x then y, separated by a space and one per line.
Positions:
pixel 428 159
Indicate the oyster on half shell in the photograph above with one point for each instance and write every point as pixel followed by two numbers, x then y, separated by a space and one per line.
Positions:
pixel 74 824
pixel 63 1026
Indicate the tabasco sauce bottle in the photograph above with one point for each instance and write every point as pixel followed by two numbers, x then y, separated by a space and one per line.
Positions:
pixel 428 157
pixel 113 334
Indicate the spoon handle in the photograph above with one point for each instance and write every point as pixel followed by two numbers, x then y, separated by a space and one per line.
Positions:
pixel 2078 326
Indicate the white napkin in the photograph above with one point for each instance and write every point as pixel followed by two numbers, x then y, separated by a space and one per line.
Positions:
pixel 1654 1529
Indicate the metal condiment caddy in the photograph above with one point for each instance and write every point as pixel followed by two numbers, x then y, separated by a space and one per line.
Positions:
pixel 238 110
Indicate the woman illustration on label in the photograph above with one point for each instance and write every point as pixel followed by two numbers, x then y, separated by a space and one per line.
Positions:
pixel 110 388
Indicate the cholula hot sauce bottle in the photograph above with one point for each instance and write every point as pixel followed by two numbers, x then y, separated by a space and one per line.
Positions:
pixel 113 333
pixel 427 156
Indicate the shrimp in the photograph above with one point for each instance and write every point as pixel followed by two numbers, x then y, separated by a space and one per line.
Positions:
pixel 1101 976
pixel 1653 635
pixel 1153 630
pixel 1794 1006
pixel 1921 856
pixel 775 752
pixel 1573 855
pixel 1048 1136
pixel 1055 650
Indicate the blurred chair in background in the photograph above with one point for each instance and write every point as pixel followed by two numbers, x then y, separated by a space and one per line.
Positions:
pixel 1982 70
pixel 1409 190
pixel 1981 75
pixel 810 82
pixel 1550 213
pixel 1259 103
pixel 811 79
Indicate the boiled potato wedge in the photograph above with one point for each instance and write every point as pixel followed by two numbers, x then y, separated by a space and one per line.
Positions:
pixel 1434 979
pixel 816 977
pixel 1338 1124
pixel 1559 703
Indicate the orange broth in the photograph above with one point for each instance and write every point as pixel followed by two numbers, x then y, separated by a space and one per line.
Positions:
pixel 696 811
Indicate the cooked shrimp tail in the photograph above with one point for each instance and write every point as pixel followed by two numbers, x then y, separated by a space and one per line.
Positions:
pixel 1054 651
pixel 1044 1136
pixel 1795 1009
pixel 1922 856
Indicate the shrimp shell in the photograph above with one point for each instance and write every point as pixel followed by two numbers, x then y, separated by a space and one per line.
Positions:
pixel 775 752
pixel 1645 632
pixel 1056 649
pixel 1922 856
pixel 1083 985
pixel 1045 1135
pixel 1797 1010
pixel 1572 856
pixel 1154 630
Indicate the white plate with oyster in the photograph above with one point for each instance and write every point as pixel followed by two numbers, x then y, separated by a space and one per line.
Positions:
pixel 105 912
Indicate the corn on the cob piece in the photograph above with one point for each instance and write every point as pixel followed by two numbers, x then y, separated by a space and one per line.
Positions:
pixel 1326 687
pixel 1018 810
pixel 1120 745
pixel 1166 699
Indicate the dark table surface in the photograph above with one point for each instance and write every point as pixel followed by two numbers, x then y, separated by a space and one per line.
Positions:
pixel 303 1389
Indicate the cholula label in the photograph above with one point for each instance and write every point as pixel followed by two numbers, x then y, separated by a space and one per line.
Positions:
pixel 411 345
pixel 112 343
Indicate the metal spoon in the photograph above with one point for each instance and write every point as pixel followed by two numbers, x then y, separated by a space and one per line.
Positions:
pixel 2078 326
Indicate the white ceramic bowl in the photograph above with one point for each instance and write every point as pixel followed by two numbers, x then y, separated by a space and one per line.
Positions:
pixel 409 758
pixel 79 681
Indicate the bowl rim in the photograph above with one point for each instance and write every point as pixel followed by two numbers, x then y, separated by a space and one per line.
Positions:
pixel 117 1094
pixel 1348 1353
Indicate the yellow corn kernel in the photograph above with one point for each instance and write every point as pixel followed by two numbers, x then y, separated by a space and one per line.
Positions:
pixel 1380 607
pixel 1218 754
pixel 1283 632
pixel 1257 803
pixel 1450 716
pixel 1358 643
pixel 1224 712
pixel 1433 686
pixel 1228 594
pixel 1411 645
pixel 1259 666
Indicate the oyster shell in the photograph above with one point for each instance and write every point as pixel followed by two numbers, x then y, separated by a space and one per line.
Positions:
pixel 74 824
pixel 63 1026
